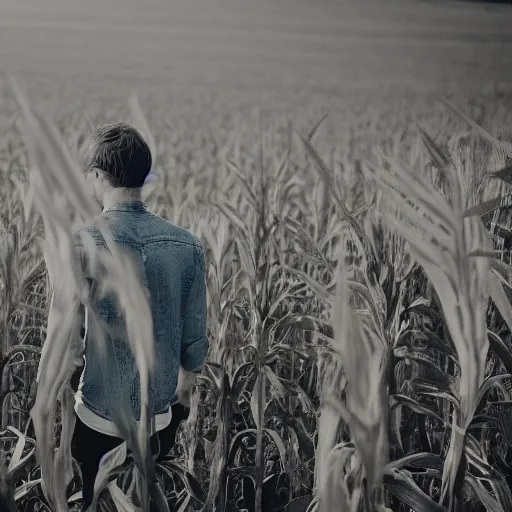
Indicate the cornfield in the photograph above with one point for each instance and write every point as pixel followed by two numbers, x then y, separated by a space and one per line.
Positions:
pixel 359 288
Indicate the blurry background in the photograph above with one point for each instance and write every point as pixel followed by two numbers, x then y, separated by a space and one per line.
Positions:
pixel 262 47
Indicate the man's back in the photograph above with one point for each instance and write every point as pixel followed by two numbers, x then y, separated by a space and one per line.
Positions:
pixel 171 265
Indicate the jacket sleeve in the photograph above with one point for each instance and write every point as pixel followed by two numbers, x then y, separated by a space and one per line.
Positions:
pixel 194 342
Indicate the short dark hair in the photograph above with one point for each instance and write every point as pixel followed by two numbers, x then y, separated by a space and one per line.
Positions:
pixel 118 150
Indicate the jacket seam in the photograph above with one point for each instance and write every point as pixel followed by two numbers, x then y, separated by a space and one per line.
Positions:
pixel 195 340
pixel 148 242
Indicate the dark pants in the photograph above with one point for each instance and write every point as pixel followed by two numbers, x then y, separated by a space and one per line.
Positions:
pixel 88 447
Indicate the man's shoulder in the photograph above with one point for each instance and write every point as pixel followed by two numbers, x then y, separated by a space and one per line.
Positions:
pixel 155 228
pixel 82 230
pixel 176 233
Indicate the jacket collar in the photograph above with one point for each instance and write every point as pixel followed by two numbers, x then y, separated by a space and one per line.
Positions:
pixel 128 206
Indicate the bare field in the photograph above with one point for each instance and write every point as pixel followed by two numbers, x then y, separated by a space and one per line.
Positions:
pixel 341 46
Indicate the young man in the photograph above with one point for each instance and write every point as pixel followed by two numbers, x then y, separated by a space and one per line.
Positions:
pixel 117 161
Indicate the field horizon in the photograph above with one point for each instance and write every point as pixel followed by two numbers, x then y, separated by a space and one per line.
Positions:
pixel 254 50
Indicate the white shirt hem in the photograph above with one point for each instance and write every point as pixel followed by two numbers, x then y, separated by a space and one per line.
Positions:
pixel 103 426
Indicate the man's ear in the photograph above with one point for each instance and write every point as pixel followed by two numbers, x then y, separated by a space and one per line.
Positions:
pixel 95 174
pixel 90 175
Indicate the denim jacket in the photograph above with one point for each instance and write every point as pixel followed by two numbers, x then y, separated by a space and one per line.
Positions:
pixel 172 266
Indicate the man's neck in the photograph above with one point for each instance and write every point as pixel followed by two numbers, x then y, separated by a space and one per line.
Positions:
pixel 120 195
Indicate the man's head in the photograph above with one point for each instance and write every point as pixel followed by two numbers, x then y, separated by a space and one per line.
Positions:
pixel 115 156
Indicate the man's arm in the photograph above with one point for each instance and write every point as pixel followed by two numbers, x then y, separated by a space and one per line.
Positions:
pixel 76 340
pixel 54 318
pixel 194 342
